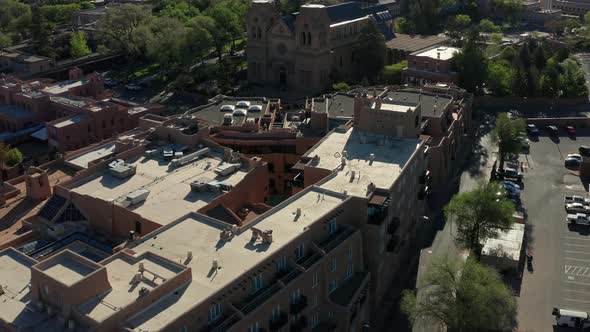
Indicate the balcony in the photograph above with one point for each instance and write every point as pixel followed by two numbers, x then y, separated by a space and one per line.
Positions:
pixel 393 243
pixel 258 298
pixel 392 227
pixel 223 324
pixel 425 177
pixel 351 291
pixel 299 324
pixel 298 306
pixel 307 261
pixel 278 322
pixel 336 238
pixel 287 278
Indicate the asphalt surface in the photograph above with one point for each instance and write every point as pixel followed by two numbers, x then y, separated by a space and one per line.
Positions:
pixel 559 275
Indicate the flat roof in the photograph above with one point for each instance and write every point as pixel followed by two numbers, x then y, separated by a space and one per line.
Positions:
pixel 170 196
pixel 67 268
pixel 393 106
pixel 69 101
pixel 71 120
pixel 64 86
pixel 431 105
pixel 389 159
pixel 339 106
pixel 212 114
pixel 16 112
pixel 507 244
pixel 121 269
pixel 100 152
pixel 438 52
pixel 201 235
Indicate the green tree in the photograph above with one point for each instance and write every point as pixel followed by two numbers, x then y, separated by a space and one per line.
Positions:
pixel 15 20
pixel 199 42
pixel 457 26
pixel 341 86
pixel 62 13
pixel 369 53
pixel 228 23
pixel 424 14
pixel 500 78
pixel 219 37
pixel 540 57
pixel 402 25
pixel 486 25
pixel 392 74
pixel 508 53
pixel 463 296
pixel 79 45
pixel 168 52
pixel 587 18
pixel 571 80
pixel 512 9
pixel 126 28
pixel 13 157
pixel 471 64
pixel 479 214
pixel 507 135
pixel 41 33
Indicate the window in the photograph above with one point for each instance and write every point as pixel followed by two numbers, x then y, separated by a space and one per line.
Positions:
pixel 254 327
pixel 315 319
pixel 314 301
pixel 332 286
pixel 276 312
pixel 333 265
pixel 314 280
pixel 295 296
pixel 437 67
pixel 214 312
pixel 332 225
pixel 300 251
pixel 282 264
pixel 257 283
pixel 350 252
pixel 349 270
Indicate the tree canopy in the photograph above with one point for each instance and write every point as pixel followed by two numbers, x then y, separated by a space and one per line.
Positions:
pixel 392 74
pixel 369 53
pixel 479 214
pixel 79 45
pixel 471 64
pixel 507 135
pixel 463 296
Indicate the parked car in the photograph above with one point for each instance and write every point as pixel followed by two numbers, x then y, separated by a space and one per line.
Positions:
pixel 572 162
pixel 575 199
pixel 525 143
pixel 512 191
pixel 571 318
pixel 571 130
pixel 243 104
pixel 574 156
pixel 507 183
pixel 132 87
pixel 511 173
pixel 584 151
pixel 577 208
pixel 552 130
pixel 532 129
pixel 109 82
pixel 577 218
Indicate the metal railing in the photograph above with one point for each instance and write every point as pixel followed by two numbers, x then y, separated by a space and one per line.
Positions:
pixel 336 238
pixel 258 298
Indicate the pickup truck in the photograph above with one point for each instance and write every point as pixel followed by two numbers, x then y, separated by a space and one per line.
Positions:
pixel 575 199
pixel 577 208
pixel 578 218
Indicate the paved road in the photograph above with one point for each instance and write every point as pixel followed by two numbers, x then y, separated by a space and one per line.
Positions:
pixel 560 273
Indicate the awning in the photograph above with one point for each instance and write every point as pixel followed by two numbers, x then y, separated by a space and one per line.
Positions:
pixel 40 134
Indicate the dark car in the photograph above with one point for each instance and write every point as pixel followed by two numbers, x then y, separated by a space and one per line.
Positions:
pixel 532 129
pixel 553 131
pixel 571 162
pixel 571 130
pixel 584 151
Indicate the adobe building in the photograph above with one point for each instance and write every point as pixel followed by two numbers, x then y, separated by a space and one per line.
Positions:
pixel 445 118
pixel 163 229
pixel 15 62
pixel 309 49
pixel 431 65
pixel 69 114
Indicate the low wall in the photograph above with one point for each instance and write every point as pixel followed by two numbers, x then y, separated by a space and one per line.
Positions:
pixel 21 239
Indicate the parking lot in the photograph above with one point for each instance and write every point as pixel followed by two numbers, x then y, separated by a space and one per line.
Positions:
pixel 559 275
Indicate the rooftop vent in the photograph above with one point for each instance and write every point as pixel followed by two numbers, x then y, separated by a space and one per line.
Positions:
pixel 227 169
pixel 121 169
pixel 135 197
pixel 189 158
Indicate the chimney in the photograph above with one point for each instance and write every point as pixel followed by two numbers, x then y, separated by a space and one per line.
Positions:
pixel 438 55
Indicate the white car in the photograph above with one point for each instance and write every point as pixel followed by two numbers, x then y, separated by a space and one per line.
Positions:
pixel 243 104
pixel 576 199
pixel 574 156
pixel 227 108
pixel 576 208
pixel 577 218
pixel 571 318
